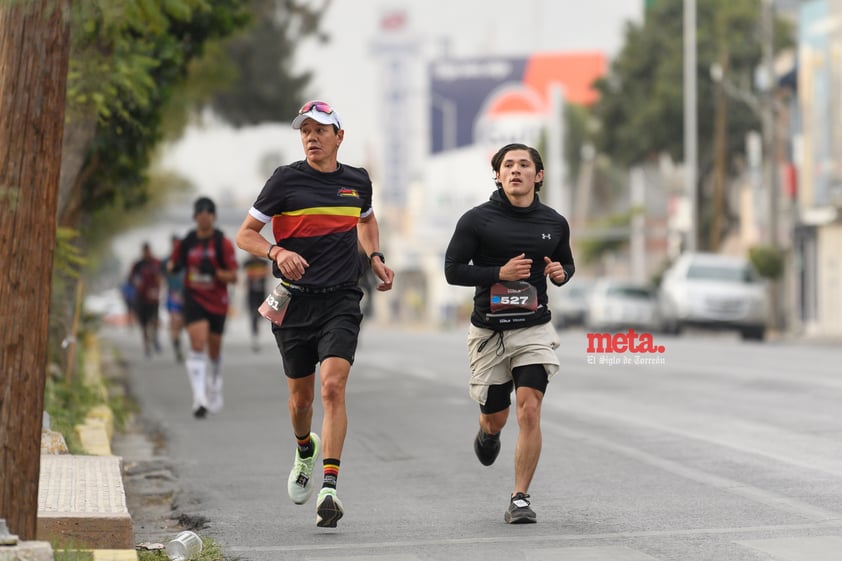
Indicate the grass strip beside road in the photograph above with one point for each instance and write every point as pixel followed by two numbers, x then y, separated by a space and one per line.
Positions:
pixel 210 552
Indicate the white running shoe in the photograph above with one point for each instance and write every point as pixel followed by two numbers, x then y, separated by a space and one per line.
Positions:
pixel 300 482
pixel 328 508
pixel 215 401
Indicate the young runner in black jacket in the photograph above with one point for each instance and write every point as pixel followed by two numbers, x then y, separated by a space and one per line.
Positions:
pixel 507 248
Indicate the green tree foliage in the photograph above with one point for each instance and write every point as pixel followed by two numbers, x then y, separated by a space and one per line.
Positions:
pixel 128 58
pixel 264 87
pixel 140 68
pixel 641 106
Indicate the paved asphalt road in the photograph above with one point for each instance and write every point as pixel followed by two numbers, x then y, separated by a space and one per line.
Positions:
pixel 728 451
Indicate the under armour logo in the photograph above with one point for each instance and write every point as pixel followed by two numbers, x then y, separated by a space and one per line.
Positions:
pixel 546 236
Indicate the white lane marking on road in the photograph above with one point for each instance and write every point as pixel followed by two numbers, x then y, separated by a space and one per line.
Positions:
pixel 816 548
pixel 739 488
pixel 371 558
pixel 534 539
pixel 609 553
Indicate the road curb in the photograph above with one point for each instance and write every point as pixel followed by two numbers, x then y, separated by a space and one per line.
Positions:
pixel 81 498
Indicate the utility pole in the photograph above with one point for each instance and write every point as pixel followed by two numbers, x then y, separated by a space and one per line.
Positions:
pixel 769 132
pixel 770 151
pixel 720 153
pixel 555 193
pixel 690 121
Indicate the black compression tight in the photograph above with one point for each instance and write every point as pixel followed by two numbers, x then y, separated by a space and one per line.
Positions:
pixel 499 395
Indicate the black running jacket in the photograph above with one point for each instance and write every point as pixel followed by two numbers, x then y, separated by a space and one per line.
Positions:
pixel 490 234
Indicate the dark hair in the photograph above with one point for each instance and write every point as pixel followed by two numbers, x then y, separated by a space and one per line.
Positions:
pixel 204 204
pixel 534 155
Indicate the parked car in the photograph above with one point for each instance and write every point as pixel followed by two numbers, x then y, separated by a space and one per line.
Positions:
pixel 617 305
pixel 715 291
pixel 569 305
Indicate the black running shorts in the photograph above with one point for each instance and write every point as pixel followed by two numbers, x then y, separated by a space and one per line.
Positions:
pixel 194 312
pixel 319 326
pixel 147 312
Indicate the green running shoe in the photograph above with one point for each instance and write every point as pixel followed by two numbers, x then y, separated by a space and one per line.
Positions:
pixel 300 484
pixel 328 508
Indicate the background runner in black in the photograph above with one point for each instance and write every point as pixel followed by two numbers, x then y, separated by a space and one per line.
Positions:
pixel 257 274
pixel 146 277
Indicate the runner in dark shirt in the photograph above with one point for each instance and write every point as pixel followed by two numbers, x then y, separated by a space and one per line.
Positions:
pixel 257 272
pixel 146 278
pixel 320 211
pixel 207 258
pixel 506 248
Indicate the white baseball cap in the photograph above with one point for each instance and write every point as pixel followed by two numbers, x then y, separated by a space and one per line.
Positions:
pixel 319 111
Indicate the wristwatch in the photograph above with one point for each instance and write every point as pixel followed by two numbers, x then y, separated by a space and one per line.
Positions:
pixel 377 254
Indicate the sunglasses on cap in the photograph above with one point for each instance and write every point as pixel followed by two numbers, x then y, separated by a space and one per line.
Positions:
pixel 320 106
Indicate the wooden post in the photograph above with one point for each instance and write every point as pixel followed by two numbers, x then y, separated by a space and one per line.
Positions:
pixel 34 48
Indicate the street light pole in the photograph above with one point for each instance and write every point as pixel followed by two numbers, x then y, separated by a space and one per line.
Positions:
pixel 690 120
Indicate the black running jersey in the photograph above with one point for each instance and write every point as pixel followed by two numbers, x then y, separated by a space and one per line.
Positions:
pixel 488 235
pixel 315 214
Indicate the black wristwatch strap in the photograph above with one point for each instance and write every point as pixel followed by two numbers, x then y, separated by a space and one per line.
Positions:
pixel 269 253
pixel 377 254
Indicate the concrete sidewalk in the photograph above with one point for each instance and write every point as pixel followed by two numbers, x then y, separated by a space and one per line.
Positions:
pixel 82 503
pixel 81 498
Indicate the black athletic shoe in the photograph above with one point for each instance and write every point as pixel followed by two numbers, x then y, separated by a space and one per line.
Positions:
pixel 200 412
pixel 519 511
pixel 486 449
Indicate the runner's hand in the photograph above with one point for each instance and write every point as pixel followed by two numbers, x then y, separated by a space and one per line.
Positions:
pixel 517 268
pixel 384 273
pixel 554 270
pixel 291 264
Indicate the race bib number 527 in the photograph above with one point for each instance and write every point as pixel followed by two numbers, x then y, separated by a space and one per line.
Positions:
pixel 513 296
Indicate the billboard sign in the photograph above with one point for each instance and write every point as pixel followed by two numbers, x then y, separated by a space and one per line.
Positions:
pixel 496 100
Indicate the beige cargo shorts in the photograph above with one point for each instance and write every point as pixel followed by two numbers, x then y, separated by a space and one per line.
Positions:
pixel 506 350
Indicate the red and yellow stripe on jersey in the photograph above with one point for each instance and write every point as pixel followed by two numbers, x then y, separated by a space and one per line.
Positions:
pixel 316 214
pixel 317 221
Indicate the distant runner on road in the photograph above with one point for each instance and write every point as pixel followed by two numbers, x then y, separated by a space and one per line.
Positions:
pixel 209 264
pixel 146 279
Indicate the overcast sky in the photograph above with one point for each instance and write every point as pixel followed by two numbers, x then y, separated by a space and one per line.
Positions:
pixel 346 71
pixel 230 164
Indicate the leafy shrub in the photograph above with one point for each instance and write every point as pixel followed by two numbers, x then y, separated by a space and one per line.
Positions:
pixel 767 260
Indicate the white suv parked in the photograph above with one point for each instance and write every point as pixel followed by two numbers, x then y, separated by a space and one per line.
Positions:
pixel 714 291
